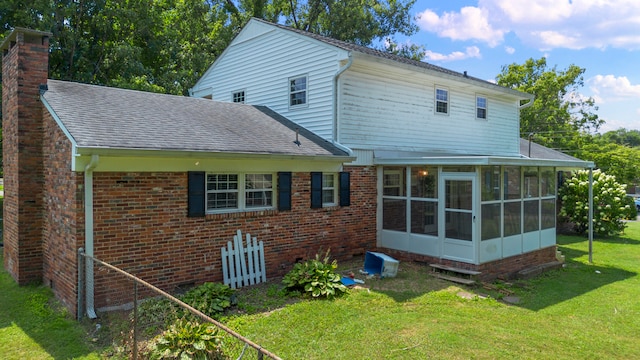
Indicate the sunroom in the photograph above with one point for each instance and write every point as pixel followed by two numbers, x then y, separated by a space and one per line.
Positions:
pixel 469 209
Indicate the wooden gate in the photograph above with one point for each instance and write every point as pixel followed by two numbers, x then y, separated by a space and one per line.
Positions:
pixel 242 266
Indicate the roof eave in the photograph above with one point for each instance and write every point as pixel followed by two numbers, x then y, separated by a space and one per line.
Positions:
pixel 483 161
pixel 434 72
pixel 173 153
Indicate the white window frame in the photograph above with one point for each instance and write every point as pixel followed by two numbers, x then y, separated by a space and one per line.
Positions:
pixel 330 189
pixel 446 101
pixel 291 92
pixel 237 94
pixel 485 108
pixel 241 193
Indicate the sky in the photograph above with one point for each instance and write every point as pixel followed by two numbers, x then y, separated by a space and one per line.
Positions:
pixel 600 36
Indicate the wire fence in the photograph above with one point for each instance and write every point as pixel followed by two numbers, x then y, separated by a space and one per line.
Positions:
pixel 132 313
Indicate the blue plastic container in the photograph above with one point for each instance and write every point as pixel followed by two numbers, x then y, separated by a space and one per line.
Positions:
pixel 380 264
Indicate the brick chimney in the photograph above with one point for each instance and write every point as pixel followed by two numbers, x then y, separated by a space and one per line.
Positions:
pixel 25 63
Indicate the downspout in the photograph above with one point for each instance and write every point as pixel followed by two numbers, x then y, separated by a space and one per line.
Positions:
pixel 335 105
pixel 88 234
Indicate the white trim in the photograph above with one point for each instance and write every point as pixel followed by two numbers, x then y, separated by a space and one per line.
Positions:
pixel 56 118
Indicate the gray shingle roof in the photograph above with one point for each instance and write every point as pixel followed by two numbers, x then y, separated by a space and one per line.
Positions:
pixel 385 55
pixel 542 152
pixel 112 118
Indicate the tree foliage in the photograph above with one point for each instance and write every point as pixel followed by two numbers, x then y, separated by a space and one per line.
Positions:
pixel 559 116
pixel 167 45
pixel 623 136
pixel 614 159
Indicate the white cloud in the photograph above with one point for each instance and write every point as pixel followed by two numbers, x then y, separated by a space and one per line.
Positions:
pixel 469 23
pixel 470 52
pixel 609 88
pixel 543 24
pixel 509 50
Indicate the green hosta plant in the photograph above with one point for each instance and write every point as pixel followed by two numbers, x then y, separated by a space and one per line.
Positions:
pixel 188 340
pixel 608 202
pixel 209 298
pixel 316 277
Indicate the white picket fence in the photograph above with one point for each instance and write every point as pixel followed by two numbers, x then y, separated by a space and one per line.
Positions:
pixel 242 266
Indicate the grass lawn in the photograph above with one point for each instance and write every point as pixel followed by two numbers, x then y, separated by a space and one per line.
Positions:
pixel 583 311
pixel 31 329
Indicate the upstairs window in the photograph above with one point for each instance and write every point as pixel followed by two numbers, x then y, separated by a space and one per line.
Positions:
pixel 238 97
pixel 481 107
pixel 298 91
pixel 442 101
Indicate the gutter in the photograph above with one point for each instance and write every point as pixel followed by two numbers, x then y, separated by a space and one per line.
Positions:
pixel 526 105
pixel 335 104
pixel 88 236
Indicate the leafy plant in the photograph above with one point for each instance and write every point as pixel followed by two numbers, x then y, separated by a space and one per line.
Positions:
pixel 156 313
pixel 608 201
pixel 631 212
pixel 188 340
pixel 209 298
pixel 316 277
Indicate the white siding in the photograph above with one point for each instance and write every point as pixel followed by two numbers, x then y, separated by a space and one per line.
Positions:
pixel 261 61
pixel 385 110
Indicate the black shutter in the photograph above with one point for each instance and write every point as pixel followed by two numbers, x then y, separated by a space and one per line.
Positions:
pixel 316 190
pixel 196 198
pixel 345 188
pixel 284 191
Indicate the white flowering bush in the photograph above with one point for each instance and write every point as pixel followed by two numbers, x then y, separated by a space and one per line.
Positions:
pixel 608 201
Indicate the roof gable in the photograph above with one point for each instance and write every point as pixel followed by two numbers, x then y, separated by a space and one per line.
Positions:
pixel 98 117
pixel 389 58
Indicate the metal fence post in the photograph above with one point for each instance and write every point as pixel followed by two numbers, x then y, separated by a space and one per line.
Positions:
pixel 81 265
pixel 135 320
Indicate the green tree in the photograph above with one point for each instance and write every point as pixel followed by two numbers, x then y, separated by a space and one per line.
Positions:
pixel 559 118
pixel 357 21
pixel 609 207
pixel 614 159
pixel 623 136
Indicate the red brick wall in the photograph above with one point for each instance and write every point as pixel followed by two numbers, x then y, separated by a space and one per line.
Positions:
pixel 503 269
pixel 63 227
pixel 141 226
pixel 24 68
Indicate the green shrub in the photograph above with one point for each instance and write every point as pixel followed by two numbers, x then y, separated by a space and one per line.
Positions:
pixel 188 340
pixel 209 298
pixel 609 208
pixel 156 313
pixel 631 212
pixel 316 277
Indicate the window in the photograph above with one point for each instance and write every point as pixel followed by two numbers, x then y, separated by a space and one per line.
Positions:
pixel 328 189
pixel 326 186
pixel 481 107
pixel 230 192
pixel 442 101
pixel 238 97
pixel 393 183
pixel 298 91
